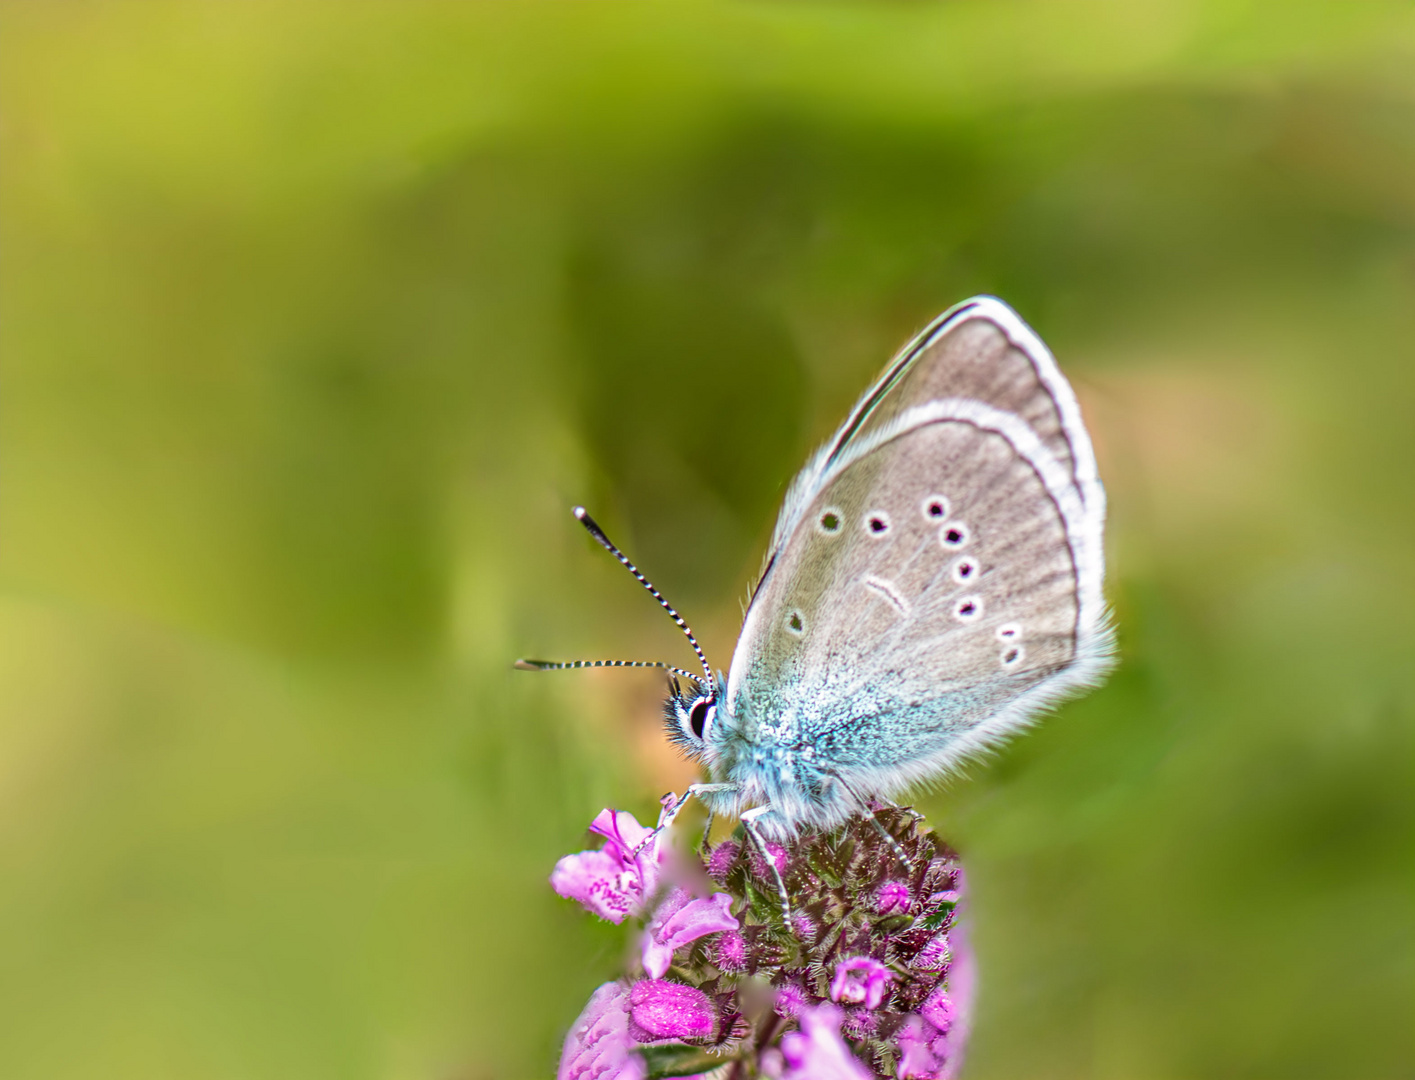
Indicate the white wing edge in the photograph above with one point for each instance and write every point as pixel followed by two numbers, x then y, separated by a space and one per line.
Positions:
pixel 810 479
pixel 1085 535
pixel 1025 338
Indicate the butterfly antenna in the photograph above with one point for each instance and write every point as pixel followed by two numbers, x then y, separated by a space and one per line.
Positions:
pixel 594 530
pixel 567 665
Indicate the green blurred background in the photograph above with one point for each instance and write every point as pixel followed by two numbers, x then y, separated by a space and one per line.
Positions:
pixel 319 317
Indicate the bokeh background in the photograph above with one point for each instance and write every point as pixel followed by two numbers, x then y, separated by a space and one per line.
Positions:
pixel 319 317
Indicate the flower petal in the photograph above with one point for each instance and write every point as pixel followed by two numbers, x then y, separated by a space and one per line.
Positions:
pixel 917 1060
pixel 698 919
pixel 680 920
pixel 636 845
pixel 621 829
pixel 657 954
pixel 817 1052
pixel 938 1009
pixel 931 1042
pixel 598 1046
pixel 962 984
pixel 601 882
pixel 861 978
pixel 615 881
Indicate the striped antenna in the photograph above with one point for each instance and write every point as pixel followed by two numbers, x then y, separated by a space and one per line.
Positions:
pixel 565 665
pixel 583 517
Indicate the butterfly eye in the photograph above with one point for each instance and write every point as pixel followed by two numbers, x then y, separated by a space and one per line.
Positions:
pixel 700 716
pixel 935 508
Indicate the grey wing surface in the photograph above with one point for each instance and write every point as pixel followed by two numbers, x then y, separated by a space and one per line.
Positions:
pixel 897 639
pixel 983 351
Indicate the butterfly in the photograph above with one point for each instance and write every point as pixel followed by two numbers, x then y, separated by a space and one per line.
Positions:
pixel 933 583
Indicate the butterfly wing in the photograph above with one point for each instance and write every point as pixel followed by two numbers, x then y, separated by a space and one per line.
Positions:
pixel 936 574
pixel 980 350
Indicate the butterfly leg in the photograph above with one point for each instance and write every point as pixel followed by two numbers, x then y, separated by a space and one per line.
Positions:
pixel 752 829
pixel 899 852
pixel 903 809
pixel 673 804
pixel 707 833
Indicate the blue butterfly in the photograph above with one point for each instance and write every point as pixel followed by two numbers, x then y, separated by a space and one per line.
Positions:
pixel 934 581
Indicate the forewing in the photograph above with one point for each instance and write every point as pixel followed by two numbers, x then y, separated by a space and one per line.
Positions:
pixel 982 351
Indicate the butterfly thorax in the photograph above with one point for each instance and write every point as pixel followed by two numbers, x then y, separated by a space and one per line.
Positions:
pixel 768 757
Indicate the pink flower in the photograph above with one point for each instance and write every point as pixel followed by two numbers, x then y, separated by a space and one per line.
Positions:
pixel 707 923
pixel 918 1058
pixel 780 858
pixel 598 1046
pixel 681 920
pixel 892 897
pixel 731 953
pixel 668 1010
pixel 955 894
pixel 962 986
pixel 861 978
pixel 860 1023
pixel 620 878
pixel 722 859
pixel 933 956
pixel 817 1052
pixel 803 926
pixel 939 1009
pixel 931 1042
pixel 790 1000
pixel 925 1053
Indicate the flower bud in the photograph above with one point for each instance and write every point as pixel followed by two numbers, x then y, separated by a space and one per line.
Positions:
pixel 659 1009
pixel 892 898
pixel 861 979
